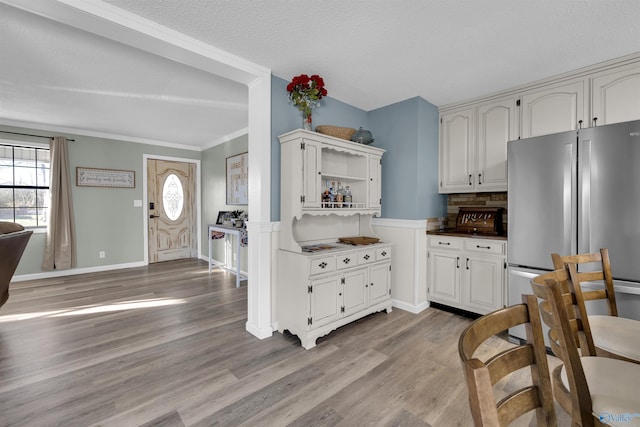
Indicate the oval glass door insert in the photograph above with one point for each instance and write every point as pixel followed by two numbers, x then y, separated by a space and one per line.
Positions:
pixel 173 197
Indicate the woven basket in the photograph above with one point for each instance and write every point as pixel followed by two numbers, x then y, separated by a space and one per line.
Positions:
pixel 336 131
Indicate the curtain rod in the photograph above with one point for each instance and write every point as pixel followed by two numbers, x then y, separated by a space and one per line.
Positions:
pixel 37 136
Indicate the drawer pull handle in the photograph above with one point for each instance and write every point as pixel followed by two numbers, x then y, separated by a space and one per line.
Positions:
pixel 384 253
pixel 346 260
pixel 444 243
pixel 458 262
pixel 322 264
pixel 366 256
pixel 483 247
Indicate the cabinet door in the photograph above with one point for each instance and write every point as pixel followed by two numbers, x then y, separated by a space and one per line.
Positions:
pixel 325 301
pixel 483 283
pixel 311 174
pixel 355 285
pixel 375 181
pixel 379 283
pixel 456 151
pixel 497 124
pixel 444 277
pixel 554 109
pixel 616 96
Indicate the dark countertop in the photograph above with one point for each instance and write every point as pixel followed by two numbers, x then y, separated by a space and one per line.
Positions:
pixel 453 233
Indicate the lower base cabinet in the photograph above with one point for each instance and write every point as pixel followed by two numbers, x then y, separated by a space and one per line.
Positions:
pixel 318 294
pixel 467 273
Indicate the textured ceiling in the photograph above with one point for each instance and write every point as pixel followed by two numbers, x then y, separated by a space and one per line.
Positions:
pixel 370 53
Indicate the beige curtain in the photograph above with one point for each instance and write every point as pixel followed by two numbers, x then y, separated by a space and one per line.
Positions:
pixel 60 246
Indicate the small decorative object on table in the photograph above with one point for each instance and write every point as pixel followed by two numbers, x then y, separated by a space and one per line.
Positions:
pixel 305 92
pixel 236 218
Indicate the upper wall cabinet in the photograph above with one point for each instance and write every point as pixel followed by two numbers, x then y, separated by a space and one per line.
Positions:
pixel 457 146
pixel 473 146
pixel 616 95
pixel 497 124
pixel 555 108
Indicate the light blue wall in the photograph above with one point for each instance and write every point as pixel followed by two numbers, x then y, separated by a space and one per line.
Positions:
pixel 408 130
pixel 285 117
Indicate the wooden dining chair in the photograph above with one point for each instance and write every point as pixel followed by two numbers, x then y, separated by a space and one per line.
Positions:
pixel 593 390
pixel 482 376
pixel 613 336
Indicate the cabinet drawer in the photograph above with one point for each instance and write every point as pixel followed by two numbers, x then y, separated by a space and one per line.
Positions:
pixel 485 246
pixel 366 256
pixel 323 265
pixel 383 253
pixel 346 260
pixel 444 242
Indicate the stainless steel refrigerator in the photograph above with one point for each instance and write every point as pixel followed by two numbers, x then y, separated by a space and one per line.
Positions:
pixel 576 192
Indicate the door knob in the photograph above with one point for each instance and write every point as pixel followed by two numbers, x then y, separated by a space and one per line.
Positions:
pixel 154 216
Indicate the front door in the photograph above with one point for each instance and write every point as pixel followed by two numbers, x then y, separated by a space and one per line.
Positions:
pixel 172 214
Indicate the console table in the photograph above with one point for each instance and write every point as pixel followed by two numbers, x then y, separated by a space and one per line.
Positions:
pixel 228 231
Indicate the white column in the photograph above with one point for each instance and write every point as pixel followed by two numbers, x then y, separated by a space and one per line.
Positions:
pixel 259 226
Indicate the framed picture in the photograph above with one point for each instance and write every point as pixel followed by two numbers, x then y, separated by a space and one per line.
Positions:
pixel 111 178
pixel 220 217
pixel 238 179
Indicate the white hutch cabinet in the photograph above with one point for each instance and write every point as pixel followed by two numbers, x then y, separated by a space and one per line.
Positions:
pixel 323 284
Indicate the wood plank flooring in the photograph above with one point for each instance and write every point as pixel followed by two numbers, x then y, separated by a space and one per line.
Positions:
pixel 165 345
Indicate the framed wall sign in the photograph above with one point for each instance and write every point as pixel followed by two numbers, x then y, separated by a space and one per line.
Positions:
pixel 111 178
pixel 238 179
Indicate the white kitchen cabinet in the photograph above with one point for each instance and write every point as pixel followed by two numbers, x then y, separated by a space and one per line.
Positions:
pixel 457 145
pixel 321 289
pixel 444 277
pixel 497 124
pixel 615 95
pixel 473 146
pixel 555 108
pixel 467 273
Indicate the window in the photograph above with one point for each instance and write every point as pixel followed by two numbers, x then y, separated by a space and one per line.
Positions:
pixel 24 185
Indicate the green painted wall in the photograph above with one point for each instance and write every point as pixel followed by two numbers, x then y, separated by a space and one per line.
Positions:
pixel 105 218
pixel 214 194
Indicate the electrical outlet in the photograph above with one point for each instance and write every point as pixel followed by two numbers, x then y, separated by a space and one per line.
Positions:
pixel 101 254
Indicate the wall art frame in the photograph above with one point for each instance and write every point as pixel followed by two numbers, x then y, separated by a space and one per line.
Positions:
pixel 106 178
pixel 237 168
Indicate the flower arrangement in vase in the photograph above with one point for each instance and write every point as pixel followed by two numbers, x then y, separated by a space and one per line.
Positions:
pixel 305 92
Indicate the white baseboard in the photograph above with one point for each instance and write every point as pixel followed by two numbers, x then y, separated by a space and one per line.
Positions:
pixel 415 309
pixel 74 271
pixel 259 333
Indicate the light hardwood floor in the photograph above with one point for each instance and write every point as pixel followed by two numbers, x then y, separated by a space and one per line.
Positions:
pixel 166 345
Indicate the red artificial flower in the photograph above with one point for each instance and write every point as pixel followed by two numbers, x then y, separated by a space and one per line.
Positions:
pixel 305 92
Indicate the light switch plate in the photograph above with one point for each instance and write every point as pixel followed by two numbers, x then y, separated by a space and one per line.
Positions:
pixel 137 203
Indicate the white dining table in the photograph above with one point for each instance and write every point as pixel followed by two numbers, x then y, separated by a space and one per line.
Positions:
pixel 228 231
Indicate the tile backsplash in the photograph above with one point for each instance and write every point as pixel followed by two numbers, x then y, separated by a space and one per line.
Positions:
pixel 456 201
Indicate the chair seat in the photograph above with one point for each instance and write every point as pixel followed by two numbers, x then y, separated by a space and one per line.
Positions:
pixel 616 335
pixel 613 385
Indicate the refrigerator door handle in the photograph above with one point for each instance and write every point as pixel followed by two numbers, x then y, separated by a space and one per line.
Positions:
pixel 584 179
pixel 566 197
